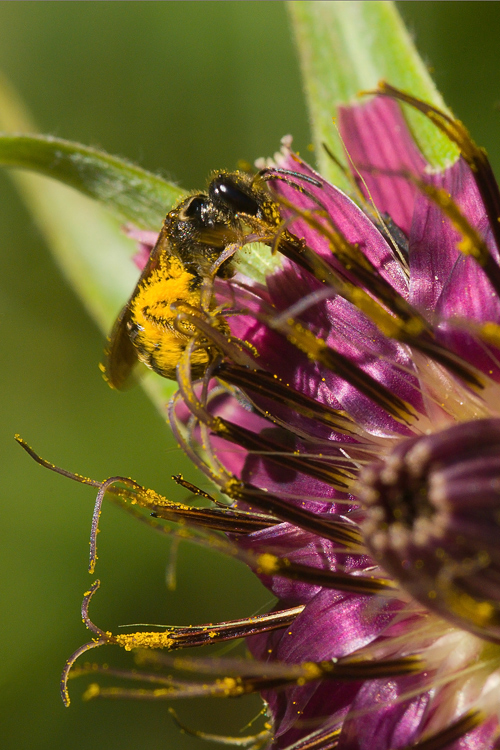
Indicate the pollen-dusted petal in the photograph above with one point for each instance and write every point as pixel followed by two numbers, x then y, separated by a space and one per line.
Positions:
pixel 304 548
pixel 387 361
pixel 377 140
pixel 335 624
pixel 467 295
pixel 433 248
pixel 322 706
pixel 346 330
pixel 344 215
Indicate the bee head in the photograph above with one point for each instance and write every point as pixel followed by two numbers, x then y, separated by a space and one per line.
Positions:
pixel 235 193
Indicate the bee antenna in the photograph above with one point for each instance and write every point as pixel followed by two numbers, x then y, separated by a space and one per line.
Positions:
pixel 273 173
pixel 283 176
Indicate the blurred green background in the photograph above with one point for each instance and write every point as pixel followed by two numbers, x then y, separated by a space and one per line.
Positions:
pixel 181 88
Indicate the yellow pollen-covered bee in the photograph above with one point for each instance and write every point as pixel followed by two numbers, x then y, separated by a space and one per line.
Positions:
pixel 193 237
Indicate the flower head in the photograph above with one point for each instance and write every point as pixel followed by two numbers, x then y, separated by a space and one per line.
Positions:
pixel 349 411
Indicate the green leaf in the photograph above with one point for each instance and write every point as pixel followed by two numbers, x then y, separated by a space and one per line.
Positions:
pixel 130 192
pixel 347 47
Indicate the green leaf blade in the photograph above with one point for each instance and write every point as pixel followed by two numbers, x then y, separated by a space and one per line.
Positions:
pixel 132 193
pixel 347 47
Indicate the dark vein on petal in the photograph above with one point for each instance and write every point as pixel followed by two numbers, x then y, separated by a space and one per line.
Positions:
pixel 330 579
pixel 340 532
pixel 269 386
pixel 270 450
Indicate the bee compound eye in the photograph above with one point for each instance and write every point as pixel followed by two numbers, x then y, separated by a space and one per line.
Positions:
pixel 193 208
pixel 225 191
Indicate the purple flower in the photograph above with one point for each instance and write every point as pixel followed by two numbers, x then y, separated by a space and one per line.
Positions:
pixel 350 411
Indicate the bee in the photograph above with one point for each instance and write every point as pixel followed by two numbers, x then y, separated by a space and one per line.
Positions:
pixel 194 235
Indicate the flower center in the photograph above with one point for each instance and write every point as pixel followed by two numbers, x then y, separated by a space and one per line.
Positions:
pixel 402 493
pixel 433 521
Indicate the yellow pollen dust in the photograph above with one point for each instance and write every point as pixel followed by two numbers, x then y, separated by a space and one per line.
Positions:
pixel 145 640
pixel 93 691
pixel 268 564
pixel 230 687
pixel 312 671
pixel 490 332
pixel 481 613
pixel 160 339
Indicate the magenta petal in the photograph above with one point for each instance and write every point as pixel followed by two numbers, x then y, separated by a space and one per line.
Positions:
pixel 145 239
pixel 484 357
pixel 349 332
pixel 376 137
pixel 446 284
pixel 379 719
pixel 433 241
pixel 332 625
pixel 302 548
pixel 388 362
pixel 323 706
pixel 467 293
pixel 469 296
pixel 481 738
pixel 346 216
